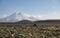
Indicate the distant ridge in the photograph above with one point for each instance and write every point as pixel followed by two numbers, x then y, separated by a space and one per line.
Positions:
pixel 30 22
pixel 48 21
pixel 24 22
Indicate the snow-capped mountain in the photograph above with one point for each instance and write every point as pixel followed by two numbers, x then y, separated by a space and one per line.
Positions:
pixel 11 18
pixel 21 16
pixel 18 17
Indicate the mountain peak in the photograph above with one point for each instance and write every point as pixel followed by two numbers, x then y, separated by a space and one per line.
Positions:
pixel 18 17
pixel 10 18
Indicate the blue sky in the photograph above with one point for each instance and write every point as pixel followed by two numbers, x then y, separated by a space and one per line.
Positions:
pixel 31 7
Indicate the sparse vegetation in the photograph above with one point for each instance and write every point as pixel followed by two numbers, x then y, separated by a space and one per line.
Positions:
pixel 30 31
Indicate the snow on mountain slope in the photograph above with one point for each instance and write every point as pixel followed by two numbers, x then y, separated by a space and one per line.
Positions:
pixel 21 16
pixel 11 18
pixel 18 17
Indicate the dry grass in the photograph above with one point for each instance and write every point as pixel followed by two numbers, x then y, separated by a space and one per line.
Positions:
pixel 30 32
